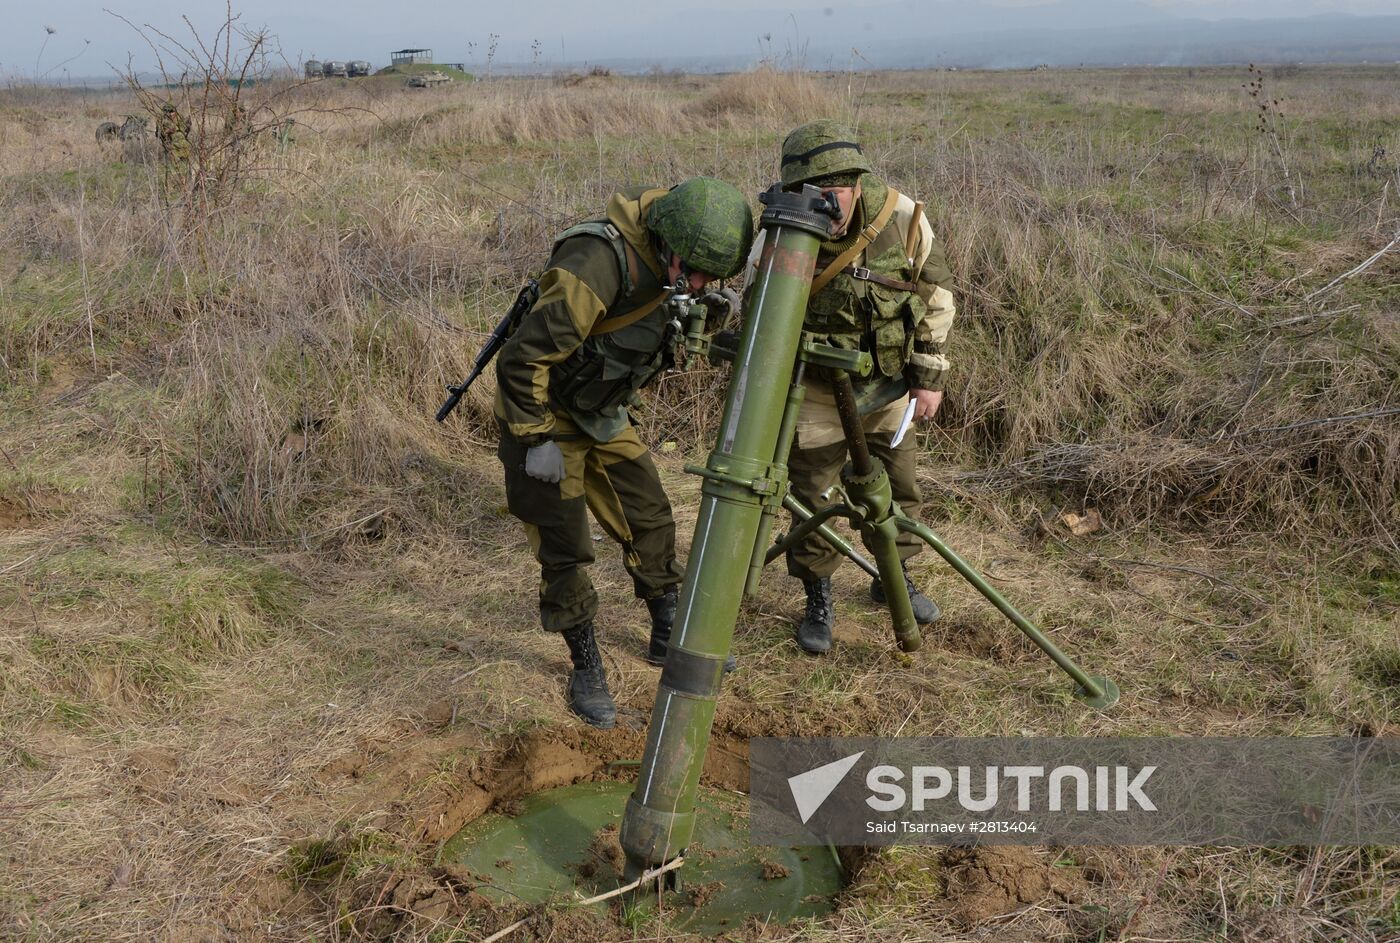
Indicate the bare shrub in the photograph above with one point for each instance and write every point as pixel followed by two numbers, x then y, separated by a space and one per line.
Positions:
pixel 233 105
pixel 526 112
pixel 765 93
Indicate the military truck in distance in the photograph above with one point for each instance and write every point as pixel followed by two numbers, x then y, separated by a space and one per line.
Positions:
pixel 357 68
pixel 334 68
pixel 313 68
pixel 428 79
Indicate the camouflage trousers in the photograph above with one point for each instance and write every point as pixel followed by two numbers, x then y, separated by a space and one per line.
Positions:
pixel 811 471
pixel 175 148
pixel 617 481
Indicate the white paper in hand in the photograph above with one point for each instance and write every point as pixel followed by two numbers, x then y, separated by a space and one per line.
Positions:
pixel 903 424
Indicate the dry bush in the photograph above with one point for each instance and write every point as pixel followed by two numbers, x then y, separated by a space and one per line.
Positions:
pixel 764 93
pixel 1144 375
pixel 531 111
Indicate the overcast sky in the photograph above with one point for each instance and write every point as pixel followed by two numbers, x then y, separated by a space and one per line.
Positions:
pixel 86 40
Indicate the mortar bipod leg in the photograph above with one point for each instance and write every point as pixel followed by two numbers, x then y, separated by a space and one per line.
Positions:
pixel 869 495
pixel 1095 690
pixel 805 526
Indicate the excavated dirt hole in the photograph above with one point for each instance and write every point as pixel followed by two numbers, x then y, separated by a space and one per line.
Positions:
pixel 420 889
pixel 424 816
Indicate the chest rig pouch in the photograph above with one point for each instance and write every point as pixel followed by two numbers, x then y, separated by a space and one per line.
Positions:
pixel 872 307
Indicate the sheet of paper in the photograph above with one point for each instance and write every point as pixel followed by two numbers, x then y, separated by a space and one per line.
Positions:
pixel 903 424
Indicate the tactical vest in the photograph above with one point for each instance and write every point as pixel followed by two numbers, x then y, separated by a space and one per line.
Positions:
pixel 595 382
pixel 855 312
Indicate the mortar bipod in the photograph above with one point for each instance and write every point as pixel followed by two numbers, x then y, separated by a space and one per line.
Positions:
pixel 865 501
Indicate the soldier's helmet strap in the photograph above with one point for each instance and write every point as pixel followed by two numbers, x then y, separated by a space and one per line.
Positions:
pixel 806 156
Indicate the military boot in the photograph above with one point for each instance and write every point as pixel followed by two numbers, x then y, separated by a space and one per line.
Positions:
pixel 814 634
pixel 663 617
pixel 589 697
pixel 925 609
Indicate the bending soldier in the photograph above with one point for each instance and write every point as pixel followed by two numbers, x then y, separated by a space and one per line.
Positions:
pixel 886 293
pixel 596 335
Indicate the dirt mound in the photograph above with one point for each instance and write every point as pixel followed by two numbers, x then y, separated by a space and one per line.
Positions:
pixel 536 764
pixel 984 883
pixel 13 515
pixel 153 769
pixel 772 871
pixel 604 857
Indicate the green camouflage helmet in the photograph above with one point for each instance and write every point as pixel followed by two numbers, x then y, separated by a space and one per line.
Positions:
pixel 820 149
pixel 707 223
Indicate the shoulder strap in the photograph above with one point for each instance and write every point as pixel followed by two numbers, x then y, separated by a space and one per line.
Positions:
pixel 866 237
pixel 626 259
pixel 608 232
pixel 608 325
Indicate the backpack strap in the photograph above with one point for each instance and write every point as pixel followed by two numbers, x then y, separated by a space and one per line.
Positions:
pixel 609 233
pixel 626 260
pixel 867 235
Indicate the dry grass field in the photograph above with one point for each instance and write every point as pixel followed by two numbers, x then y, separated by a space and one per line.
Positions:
pixel 268 635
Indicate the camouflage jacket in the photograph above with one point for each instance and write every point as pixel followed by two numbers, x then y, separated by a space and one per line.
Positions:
pixel 900 311
pixel 564 358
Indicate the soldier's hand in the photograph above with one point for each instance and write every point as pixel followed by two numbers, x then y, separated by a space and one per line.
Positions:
pixel 722 303
pixel 545 462
pixel 926 402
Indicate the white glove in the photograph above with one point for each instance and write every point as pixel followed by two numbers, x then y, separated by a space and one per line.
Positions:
pixel 545 462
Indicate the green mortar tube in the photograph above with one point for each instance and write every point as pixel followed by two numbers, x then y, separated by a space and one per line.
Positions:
pixel 739 481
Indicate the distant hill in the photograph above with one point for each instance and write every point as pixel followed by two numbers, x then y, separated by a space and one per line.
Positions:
pixel 407 70
pixel 943 33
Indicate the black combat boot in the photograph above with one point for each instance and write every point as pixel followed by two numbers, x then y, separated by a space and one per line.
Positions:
pixel 925 609
pixel 663 616
pixel 814 634
pixel 589 697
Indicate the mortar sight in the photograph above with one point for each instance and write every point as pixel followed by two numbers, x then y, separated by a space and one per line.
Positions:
pixel 809 209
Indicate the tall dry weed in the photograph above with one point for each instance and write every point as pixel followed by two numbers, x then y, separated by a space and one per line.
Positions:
pixel 764 94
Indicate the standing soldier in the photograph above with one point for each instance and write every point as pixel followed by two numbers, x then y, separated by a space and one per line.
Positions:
pixel 238 128
pixel 882 287
pixel 596 335
pixel 173 131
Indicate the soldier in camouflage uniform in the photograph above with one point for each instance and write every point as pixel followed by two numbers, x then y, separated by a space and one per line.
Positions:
pixel 597 334
pixel 173 132
pixel 238 128
pixel 871 293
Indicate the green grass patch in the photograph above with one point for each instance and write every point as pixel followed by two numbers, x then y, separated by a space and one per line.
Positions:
pixel 198 604
pixel 457 75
